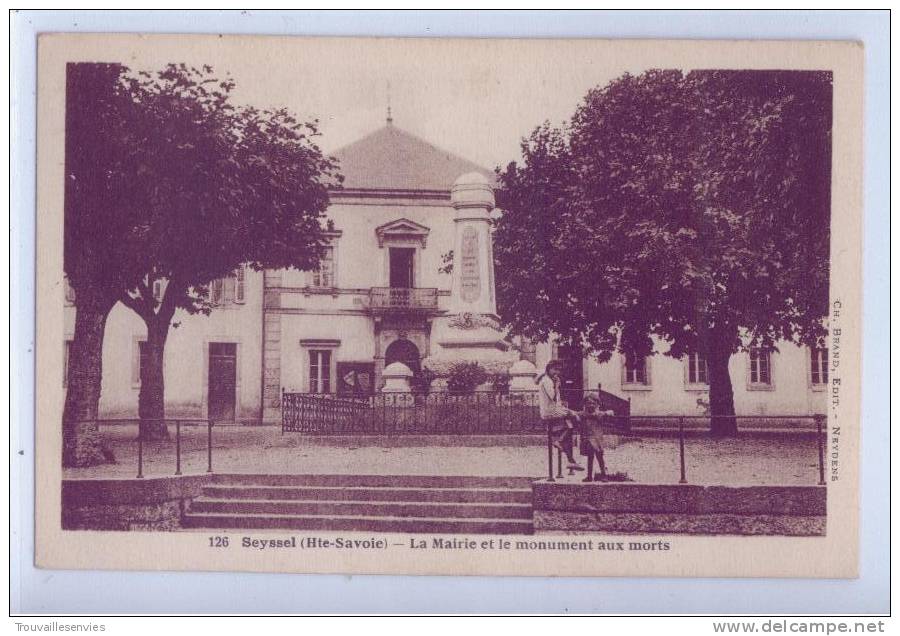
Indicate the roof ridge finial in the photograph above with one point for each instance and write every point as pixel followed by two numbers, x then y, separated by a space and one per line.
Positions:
pixel 390 120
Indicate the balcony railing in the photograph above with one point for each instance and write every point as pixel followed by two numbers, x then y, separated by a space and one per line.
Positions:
pixel 403 299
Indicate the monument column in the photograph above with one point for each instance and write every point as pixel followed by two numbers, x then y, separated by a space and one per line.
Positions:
pixel 473 265
pixel 470 331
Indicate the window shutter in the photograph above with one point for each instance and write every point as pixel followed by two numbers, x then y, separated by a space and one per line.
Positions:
pixel 239 285
pixel 313 371
pixel 228 289
pixel 328 268
pixel 326 372
pixel 70 292
pixel 136 363
pixel 215 291
pixel 67 345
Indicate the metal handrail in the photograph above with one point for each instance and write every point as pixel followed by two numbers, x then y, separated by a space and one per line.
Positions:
pixel 408 413
pixel 819 420
pixel 178 423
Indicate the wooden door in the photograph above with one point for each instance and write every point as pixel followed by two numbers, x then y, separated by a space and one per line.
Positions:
pixel 222 380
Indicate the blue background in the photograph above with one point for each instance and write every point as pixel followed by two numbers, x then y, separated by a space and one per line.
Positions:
pixel 46 591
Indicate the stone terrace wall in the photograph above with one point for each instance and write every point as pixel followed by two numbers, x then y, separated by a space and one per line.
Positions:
pixel 682 509
pixel 128 504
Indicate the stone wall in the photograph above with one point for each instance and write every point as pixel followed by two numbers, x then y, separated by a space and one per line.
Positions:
pixel 682 509
pixel 128 504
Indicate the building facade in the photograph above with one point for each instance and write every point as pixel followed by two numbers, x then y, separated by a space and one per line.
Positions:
pixel 383 294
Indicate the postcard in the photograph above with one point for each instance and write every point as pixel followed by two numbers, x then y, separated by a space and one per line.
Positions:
pixel 448 306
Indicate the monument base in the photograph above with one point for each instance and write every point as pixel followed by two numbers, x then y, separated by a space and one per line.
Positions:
pixel 469 338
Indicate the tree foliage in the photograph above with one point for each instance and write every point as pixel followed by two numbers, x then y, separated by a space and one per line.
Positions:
pixel 690 208
pixel 185 186
pixel 225 186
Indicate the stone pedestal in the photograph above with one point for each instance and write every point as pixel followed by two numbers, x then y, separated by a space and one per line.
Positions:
pixel 396 378
pixel 470 332
pixel 522 375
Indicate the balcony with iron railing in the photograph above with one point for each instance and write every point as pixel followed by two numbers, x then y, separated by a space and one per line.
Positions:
pixel 403 299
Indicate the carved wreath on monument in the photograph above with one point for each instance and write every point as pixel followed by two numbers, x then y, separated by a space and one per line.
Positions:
pixel 468 320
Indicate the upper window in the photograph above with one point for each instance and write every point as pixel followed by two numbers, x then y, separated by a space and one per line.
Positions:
pixel 230 289
pixel 159 290
pixel 818 367
pixel 323 276
pixel 760 366
pixel 697 371
pixel 635 370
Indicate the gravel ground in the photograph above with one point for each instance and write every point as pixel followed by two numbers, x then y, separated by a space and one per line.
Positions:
pixel 745 461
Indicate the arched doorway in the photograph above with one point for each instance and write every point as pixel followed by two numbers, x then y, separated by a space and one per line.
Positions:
pixel 404 351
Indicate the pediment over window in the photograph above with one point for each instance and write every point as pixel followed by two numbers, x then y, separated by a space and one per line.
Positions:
pixel 402 231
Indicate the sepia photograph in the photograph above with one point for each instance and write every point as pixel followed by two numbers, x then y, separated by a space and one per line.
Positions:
pixel 513 306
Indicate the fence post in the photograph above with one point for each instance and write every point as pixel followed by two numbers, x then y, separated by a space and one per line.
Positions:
pixel 683 479
pixel 177 447
pixel 209 426
pixel 820 443
pixel 549 454
pixel 140 474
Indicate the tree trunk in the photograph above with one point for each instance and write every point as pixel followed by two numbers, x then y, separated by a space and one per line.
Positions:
pixel 82 443
pixel 151 400
pixel 721 394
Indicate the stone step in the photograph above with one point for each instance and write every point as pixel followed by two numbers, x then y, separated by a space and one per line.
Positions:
pixel 378 481
pixel 366 493
pixel 358 523
pixel 362 508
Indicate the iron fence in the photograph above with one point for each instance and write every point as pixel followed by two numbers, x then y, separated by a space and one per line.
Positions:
pixel 513 412
pixel 484 412
pixel 487 412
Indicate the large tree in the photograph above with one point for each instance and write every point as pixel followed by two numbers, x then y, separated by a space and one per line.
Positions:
pixel 228 186
pixel 693 209
pixel 101 208
pixel 168 186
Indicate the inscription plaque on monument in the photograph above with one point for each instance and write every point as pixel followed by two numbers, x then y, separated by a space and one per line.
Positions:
pixel 469 282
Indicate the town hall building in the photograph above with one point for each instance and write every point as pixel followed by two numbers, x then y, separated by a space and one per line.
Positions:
pixel 383 295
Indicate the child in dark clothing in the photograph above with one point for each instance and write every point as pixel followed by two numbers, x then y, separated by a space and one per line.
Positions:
pixel 593 426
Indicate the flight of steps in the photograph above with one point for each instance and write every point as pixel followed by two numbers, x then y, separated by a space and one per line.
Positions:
pixel 366 503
